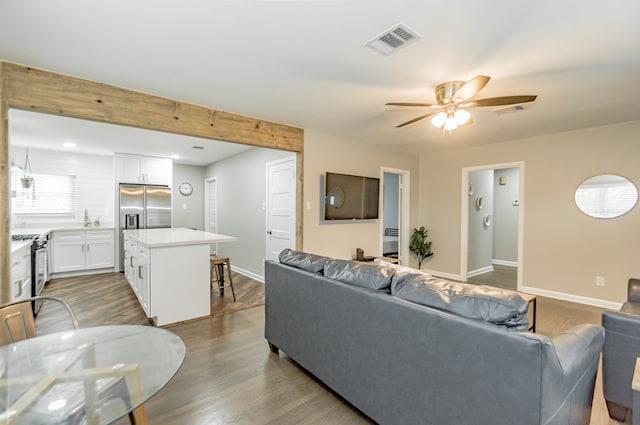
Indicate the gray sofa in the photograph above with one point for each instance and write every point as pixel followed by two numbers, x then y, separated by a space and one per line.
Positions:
pixel 621 349
pixel 401 362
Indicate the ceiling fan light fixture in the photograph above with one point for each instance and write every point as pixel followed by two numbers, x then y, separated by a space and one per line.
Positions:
pixel 450 124
pixel 439 119
pixel 461 116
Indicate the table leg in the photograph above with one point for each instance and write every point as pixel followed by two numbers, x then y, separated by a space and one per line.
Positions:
pixel 135 386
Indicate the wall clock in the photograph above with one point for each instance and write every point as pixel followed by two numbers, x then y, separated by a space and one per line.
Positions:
pixel 185 188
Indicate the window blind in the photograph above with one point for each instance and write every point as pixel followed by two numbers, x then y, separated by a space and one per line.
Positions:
pixel 606 200
pixel 49 194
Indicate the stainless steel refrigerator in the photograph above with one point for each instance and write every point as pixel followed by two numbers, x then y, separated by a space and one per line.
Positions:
pixel 143 207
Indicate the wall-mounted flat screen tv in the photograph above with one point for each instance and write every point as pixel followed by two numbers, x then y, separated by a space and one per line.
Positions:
pixel 350 197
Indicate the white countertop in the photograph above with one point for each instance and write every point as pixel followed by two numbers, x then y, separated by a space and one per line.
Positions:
pixel 44 229
pixel 17 245
pixel 176 237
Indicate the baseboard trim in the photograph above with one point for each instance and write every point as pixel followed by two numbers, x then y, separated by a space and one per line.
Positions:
pixel 504 263
pixel 545 293
pixel 476 272
pixel 573 298
pixel 248 274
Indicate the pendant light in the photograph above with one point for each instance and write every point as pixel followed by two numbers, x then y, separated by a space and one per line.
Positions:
pixel 27 178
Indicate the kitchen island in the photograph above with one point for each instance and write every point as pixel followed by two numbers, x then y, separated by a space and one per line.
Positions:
pixel 168 269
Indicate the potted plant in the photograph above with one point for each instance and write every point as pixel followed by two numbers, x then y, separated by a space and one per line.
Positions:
pixel 419 245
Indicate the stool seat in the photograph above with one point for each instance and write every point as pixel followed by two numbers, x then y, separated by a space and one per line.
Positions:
pixel 217 274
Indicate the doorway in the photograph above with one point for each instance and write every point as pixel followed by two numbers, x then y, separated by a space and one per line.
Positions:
pixel 492 223
pixel 394 224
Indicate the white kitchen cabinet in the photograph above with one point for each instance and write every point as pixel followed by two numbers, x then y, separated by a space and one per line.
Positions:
pixel 21 273
pixel 82 250
pixel 129 256
pixel 136 271
pixel 142 278
pixel 143 169
pixel 99 249
pixel 170 276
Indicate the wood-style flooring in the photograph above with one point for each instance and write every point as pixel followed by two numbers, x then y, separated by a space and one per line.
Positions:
pixel 229 376
pixel 504 277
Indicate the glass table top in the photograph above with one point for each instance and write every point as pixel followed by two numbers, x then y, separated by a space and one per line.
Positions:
pixel 99 374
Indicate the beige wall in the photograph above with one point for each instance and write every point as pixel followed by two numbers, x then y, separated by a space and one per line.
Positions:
pixel 563 248
pixel 324 153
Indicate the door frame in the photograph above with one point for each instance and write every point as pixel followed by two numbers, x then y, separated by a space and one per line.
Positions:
pixel 207 181
pixel 464 216
pixel 405 197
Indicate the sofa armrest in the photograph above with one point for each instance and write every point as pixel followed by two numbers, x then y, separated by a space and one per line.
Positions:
pixel 579 342
pixel 568 387
pixel 633 290
pixel 621 349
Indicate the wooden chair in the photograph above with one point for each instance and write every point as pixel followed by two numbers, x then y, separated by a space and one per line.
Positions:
pixel 18 322
pixel 217 274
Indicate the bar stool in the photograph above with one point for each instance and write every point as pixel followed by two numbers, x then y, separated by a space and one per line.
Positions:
pixel 217 269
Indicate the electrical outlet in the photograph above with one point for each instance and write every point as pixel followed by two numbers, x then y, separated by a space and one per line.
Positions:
pixel 599 280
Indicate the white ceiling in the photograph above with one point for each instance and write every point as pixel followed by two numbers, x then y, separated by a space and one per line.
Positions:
pixel 304 63
pixel 51 132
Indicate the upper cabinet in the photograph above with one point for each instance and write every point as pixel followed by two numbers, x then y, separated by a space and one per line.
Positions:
pixel 143 169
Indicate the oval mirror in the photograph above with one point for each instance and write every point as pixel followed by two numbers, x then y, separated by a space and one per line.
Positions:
pixel 606 196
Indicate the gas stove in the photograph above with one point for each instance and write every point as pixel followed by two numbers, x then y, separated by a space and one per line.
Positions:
pixel 24 237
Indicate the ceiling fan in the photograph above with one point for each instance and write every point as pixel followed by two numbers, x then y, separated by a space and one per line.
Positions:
pixel 453 96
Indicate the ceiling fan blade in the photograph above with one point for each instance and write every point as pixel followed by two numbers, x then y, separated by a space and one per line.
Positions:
pixel 421 117
pixel 471 88
pixel 429 105
pixel 500 101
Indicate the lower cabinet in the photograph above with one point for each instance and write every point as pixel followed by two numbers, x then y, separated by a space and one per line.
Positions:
pixel 21 273
pixel 136 271
pixel 170 282
pixel 79 250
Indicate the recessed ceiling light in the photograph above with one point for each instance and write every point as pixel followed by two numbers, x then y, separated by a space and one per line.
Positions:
pixel 69 145
pixel 175 156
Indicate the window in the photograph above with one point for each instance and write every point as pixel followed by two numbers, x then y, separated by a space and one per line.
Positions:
pixel 49 194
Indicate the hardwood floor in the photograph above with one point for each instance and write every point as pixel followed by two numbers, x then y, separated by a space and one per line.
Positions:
pixel 501 277
pixel 229 375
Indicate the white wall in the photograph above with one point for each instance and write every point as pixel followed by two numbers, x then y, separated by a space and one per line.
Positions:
pixel 505 213
pixel 188 211
pixel 94 183
pixel 563 249
pixel 391 195
pixel 480 236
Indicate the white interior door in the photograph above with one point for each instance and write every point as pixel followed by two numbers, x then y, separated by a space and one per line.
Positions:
pixel 281 207
pixel 211 208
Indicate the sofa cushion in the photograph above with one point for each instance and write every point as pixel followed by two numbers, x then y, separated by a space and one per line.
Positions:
pixel 369 276
pixel 302 260
pixel 400 269
pixel 493 305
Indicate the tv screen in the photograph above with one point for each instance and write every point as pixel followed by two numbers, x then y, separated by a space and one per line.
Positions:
pixel 351 197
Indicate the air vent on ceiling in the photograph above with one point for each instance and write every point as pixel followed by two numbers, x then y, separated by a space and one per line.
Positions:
pixel 392 39
pixel 197 147
pixel 509 109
